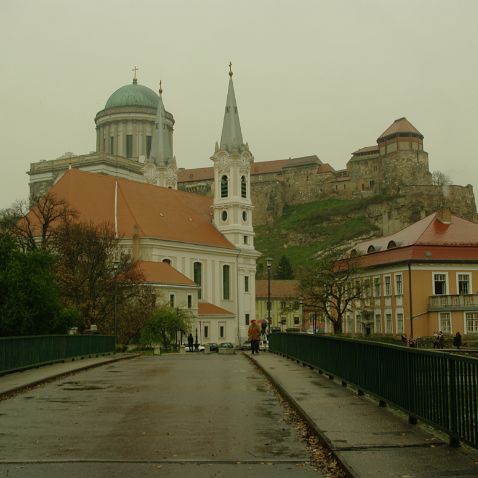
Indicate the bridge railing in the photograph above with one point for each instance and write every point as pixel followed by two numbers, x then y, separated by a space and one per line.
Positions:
pixel 18 353
pixel 438 388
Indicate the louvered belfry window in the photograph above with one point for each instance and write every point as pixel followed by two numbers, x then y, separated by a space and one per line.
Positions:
pixel 224 187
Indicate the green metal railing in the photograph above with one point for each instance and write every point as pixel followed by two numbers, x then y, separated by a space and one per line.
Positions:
pixel 18 353
pixel 438 388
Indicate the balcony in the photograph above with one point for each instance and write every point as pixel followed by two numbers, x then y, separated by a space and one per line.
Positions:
pixel 452 302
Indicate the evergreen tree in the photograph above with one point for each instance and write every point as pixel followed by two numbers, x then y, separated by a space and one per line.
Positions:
pixel 284 269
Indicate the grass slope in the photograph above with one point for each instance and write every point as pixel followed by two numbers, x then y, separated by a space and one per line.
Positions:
pixel 305 229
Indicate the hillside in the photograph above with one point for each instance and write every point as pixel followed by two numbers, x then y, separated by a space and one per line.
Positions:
pixel 305 229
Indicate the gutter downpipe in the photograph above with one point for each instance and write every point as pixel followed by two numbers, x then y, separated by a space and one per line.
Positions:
pixel 410 298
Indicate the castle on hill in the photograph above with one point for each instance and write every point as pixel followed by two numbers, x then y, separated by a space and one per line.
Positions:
pixel 395 167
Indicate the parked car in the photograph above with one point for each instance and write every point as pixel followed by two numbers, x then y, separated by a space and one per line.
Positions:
pixel 226 345
pixel 214 347
pixel 200 348
pixel 246 345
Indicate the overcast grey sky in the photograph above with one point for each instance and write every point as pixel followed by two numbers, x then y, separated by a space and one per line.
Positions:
pixel 321 77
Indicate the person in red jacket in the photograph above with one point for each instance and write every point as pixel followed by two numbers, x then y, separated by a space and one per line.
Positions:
pixel 254 334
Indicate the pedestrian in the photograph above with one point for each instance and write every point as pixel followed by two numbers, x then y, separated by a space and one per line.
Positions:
pixel 191 342
pixel 254 333
pixel 435 340
pixel 457 340
pixel 441 340
pixel 264 328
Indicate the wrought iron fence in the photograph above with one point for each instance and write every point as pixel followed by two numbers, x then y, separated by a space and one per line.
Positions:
pixel 17 353
pixel 436 387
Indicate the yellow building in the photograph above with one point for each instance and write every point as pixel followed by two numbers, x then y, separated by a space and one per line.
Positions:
pixel 286 307
pixel 419 281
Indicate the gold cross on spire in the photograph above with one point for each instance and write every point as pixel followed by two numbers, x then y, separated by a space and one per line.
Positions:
pixel 230 69
pixel 160 87
pixel 135 69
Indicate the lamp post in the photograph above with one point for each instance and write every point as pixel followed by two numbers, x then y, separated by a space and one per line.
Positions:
pixel 301 313
pixel 269 265
pixel 115 301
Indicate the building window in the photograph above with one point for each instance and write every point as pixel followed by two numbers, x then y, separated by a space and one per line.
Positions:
pixel 244 216
pixel 167 261
pixel 444 322
pixel 439 284
pixel 243 187
pixel 112 144
pixel 387 286
pixel 224 216
pixel 221 331
pixel 224 187
pixel 246 283
pixel 171 300
pixel 245 239
pixel 471 322
pixel 148 146
pixel 348 322
pixel 376 287
pixel 358 322
pixel 226 270
pixel 206 331
pixel 366 288
pixel 296 321
pixel 247 319
pixel 400 324
pixel 378 323
pixel 464 284
pixel 190 301
pixel 388 324
pixel 198 277
pixel 398 284
pixel 129 145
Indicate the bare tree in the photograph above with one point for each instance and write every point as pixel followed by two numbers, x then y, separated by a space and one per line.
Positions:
pixel 330 285
pixel 32 224
pixel 440 179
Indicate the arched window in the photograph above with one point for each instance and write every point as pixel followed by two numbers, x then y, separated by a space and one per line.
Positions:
pixel 224 187
pixel 391 245
pixel 226 289
pixel 243 187
pixel 167 261
pixel 370 249
pixel 198 277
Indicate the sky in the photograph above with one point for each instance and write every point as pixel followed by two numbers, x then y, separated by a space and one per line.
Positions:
pixel 322 77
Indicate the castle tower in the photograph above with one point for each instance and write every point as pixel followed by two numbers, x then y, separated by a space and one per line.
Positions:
pixel 232 180
pixel 403 159
pixel 160 168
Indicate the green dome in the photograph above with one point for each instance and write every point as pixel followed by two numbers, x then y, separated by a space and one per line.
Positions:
pixel 133 95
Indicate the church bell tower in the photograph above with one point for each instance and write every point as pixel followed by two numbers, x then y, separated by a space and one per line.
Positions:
pixel 232 178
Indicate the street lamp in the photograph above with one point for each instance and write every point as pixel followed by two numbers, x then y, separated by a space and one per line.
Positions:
pixel 115 301
pixel 301 312
pixel 269 265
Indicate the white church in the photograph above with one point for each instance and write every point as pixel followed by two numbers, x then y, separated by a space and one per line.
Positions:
pixel 197 251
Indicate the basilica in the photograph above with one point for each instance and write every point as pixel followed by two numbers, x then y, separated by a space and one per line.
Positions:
pixel 196 251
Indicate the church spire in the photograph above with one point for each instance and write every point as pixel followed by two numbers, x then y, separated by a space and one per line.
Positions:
pixel 231 138
pixel 160 147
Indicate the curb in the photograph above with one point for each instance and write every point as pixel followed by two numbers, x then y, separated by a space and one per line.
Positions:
pixel 318 432
pixel 33 383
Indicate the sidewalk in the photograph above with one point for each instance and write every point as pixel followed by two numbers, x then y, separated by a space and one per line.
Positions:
pixel 14 382
pixel 369 440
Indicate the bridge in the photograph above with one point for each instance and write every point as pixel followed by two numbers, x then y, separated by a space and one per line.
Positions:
pixel 209 415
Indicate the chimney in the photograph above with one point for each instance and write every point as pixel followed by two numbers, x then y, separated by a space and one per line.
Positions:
pixel 444 215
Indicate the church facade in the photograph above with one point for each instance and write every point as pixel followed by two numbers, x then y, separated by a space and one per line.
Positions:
pixel 197 251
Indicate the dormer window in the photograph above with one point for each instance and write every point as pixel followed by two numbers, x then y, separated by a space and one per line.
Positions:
pixel 391 245
pixel 370 249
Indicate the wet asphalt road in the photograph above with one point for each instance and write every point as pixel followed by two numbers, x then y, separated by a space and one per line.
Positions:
pixel 176 415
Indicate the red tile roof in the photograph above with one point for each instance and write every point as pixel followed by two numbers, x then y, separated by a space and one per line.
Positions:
pixel 279 288
pixel 401 125
pixel 367 149
pixel 207 309
pixel 163 273
pixel 143 209
pixel 440 235
pixel 196 174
